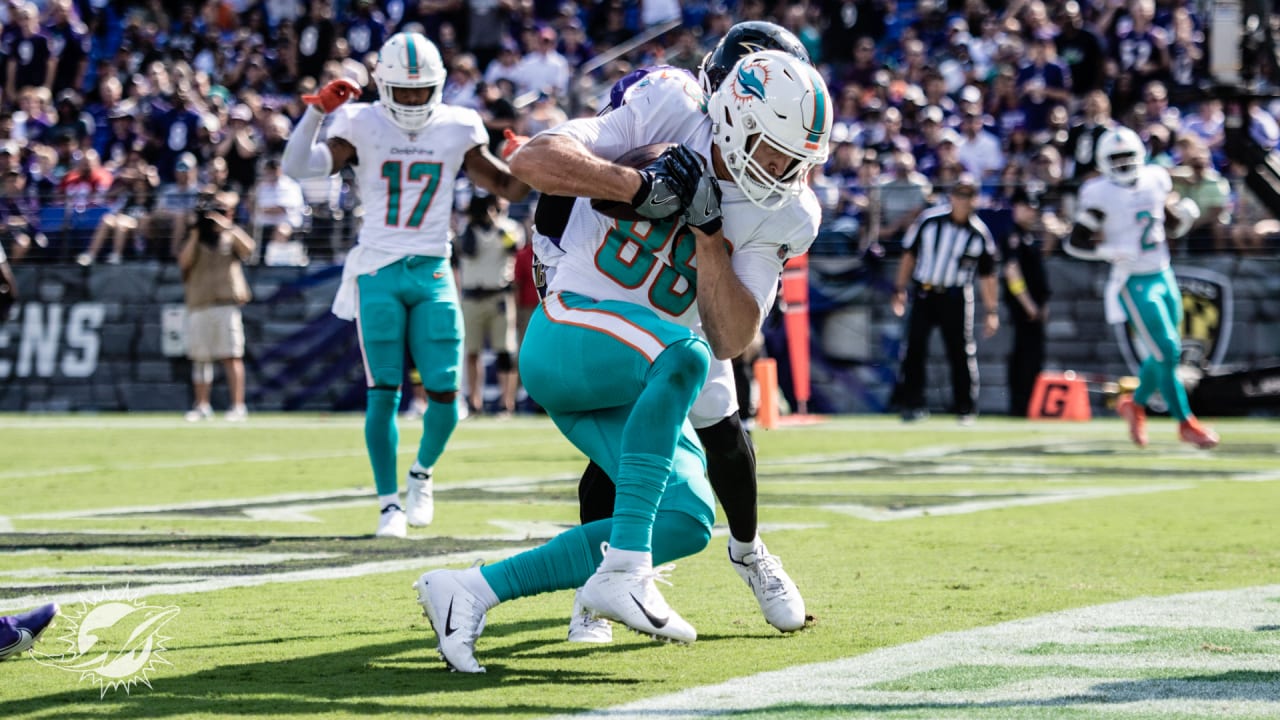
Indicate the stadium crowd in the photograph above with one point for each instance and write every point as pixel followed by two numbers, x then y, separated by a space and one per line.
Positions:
pixel 115 115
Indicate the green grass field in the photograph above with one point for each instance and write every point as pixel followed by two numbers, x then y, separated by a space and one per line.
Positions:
pixel 1007 570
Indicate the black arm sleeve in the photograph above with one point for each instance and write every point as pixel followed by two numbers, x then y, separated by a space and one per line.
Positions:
pixel 551 214
pixel 1082 238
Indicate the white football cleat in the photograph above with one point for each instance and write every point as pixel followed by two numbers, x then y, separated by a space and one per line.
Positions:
pixel 391 523
pixel 584 628
pixel 631 597
pixel 778 597
pixel 420 498
pixel 456 615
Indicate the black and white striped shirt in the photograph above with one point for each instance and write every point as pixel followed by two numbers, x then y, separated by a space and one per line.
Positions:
pixel 947 253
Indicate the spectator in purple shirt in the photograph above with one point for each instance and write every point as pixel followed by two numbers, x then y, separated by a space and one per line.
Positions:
pixel 30 62
pixel 68 45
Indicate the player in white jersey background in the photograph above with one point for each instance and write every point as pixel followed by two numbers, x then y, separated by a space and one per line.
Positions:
pixel 407 149
pixel 621 346
pixel 1127 206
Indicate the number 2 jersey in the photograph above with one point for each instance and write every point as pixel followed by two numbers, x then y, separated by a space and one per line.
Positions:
pixel 1132 224
pixel 406 183
pixel 1132 227
pixel 652 264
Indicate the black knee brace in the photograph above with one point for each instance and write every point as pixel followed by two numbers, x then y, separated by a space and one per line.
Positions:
pixel 596 493
pixel 503 361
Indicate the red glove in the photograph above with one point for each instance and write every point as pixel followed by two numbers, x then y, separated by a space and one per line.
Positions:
pixel 332 96
pixel 512 143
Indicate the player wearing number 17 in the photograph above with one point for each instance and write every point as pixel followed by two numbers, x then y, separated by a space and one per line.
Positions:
pixel 620 347
pixel 406 149
pixel 1130 206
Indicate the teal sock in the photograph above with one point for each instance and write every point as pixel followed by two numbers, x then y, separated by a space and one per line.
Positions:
pixel 640 482
pixel 568 559
pixel 382 437
pixel 649 441
pixel 565 561
pixel 438 423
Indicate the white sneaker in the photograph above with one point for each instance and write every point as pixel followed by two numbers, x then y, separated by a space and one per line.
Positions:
pixel 391 523
pixel 584 628
pixel 199 413
pixel 456 615
pixel 419 499
pixel 778 596
pixel 84 259
pixel 239 413
pixel 631 597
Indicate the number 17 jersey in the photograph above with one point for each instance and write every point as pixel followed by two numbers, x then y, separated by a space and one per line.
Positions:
pixel 406 179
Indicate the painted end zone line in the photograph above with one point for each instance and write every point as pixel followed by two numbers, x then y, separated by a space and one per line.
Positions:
pixel 1114 685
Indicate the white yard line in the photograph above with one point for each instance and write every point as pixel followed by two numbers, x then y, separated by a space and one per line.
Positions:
pixel 300 501
pixel 238 581
pixel 852 682
pixel 205 462
pixel 877 514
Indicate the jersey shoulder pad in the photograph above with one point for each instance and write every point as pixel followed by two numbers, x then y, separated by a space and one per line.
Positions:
pixel 1094 190
pixel 344 120
pixel 665 89
pixel 803 217
pixel 1159 176
pixel 458 114
pixel 618 93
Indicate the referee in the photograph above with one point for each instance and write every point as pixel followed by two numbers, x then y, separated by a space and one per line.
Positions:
pixel 942 252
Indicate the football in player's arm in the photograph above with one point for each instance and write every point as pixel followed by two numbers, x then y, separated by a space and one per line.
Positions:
pixel 731 459
pixel 615 353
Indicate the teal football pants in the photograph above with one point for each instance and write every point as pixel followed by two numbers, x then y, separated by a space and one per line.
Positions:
pixel 411 303
pixel 1153 304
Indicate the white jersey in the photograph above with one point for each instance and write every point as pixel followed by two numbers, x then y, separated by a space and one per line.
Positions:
pixel 1132 218
pixel 1132 227
pixel 653 264
pixel 406 179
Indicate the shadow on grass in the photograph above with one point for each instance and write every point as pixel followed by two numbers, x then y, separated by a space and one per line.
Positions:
pixel 366 680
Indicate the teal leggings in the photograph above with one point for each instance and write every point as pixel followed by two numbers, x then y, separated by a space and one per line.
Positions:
pixel 618 381
pixel 411 303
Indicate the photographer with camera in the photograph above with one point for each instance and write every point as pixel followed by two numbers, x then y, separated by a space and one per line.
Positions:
pixel 213 278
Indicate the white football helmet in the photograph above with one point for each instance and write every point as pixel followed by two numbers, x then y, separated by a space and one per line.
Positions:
pixel 773 100
pixel 1120 154
pixel 408 60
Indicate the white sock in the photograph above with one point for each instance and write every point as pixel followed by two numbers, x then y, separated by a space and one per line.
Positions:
pixel 417 468
pixel 739 550
pixel 473 580
pixel 615 559
pixel 392 499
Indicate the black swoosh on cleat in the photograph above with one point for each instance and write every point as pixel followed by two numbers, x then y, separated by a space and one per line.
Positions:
pixel 448 620
pixel 653 619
